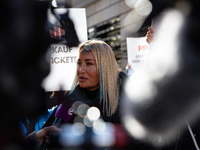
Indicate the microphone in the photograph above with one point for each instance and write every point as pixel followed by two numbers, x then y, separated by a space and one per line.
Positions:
pixel 63 114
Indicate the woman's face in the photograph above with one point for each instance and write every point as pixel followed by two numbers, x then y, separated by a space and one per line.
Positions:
pixel 88 75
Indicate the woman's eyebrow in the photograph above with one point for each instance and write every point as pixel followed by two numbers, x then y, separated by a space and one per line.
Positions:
pixel 89 60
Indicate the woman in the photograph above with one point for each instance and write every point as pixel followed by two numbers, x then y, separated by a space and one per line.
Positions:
pixel 98 82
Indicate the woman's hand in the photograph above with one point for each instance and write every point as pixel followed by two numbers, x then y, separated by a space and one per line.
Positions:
pixel 150 35
pixel 42 134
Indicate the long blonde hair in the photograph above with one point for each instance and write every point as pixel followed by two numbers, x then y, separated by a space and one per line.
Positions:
pixel 108 73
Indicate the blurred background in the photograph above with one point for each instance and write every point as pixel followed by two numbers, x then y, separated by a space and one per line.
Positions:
pixel 114 20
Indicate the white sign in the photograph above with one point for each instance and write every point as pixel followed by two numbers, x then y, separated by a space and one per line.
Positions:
pixel 63 60
pixel 137 49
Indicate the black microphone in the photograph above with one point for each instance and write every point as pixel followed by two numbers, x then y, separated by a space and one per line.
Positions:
pixel 63 114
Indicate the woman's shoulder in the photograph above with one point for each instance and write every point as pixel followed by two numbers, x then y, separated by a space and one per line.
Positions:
pixel 122 80
pixel 123 76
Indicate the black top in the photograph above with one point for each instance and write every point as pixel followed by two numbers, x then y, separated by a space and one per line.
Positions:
pixel 92 98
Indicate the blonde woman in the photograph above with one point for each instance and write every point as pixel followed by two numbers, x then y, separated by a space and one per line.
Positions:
pixel 98 82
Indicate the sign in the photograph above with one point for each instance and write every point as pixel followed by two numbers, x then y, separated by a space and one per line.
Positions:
pixel 137 49
pixel 63 59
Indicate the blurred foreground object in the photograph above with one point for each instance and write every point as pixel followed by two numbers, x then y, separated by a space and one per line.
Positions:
pixel 161 97
pixel 102 135
pixel 23 43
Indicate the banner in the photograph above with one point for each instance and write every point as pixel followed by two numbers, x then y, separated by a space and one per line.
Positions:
pixel 137 50
pixel 63 59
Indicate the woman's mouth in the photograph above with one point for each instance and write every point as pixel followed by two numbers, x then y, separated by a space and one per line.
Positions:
pixel 81 79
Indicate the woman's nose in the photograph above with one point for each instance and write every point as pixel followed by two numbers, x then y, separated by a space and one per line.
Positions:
pixel 82 69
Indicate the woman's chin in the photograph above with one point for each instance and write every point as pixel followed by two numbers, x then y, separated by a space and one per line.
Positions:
pixel 83 86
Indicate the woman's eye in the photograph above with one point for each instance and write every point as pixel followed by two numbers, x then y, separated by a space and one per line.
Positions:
pixel 89 64
pixel 78 63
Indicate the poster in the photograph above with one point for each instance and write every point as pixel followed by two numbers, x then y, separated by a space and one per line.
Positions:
pixel 63 59
pixel 137 50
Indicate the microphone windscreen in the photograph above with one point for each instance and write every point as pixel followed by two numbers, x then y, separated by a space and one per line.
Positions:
pixel 64 111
